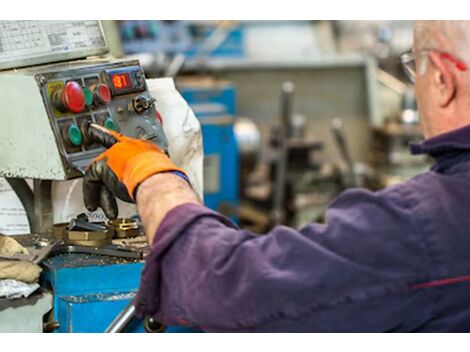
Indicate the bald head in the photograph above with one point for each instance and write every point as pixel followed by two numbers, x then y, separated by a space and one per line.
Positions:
pixel 451 36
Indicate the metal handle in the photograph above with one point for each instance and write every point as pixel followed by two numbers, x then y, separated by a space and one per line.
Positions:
pixel 122 320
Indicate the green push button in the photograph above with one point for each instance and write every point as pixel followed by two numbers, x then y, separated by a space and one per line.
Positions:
pixel 88 96
pixel 75 136
pixel 110 124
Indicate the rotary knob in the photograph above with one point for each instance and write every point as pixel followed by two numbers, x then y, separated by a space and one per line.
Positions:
pixel 70 98
pixel 142 103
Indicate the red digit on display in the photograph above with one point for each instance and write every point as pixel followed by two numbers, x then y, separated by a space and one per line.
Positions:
pixel 121 80
pixel 125 83
pixel 117 82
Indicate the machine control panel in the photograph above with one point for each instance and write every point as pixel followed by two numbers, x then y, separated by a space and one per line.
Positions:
pixel 113 95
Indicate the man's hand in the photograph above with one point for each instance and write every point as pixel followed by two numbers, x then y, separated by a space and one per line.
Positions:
pixel 119 171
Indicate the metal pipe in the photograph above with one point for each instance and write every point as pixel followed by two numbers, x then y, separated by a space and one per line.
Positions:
pixel 340 139
pixel 122 320
pixel 286 107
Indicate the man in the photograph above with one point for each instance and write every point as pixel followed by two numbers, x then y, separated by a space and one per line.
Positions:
pixel 394 260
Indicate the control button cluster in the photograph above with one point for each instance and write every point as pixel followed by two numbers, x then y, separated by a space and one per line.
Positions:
pixel 74 98
pixel 79 101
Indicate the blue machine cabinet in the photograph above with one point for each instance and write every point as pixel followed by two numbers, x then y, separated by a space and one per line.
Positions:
pixel 214 104
pixel 90 291
pixel 173 37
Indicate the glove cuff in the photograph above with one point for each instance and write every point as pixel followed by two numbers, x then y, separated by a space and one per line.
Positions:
pixel 182 175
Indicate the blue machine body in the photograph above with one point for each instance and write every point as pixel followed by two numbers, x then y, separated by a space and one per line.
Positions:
pixel 90 291
pixel 172 37
pixel 215 107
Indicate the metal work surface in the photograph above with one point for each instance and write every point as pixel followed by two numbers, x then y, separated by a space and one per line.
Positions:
pixel 75 260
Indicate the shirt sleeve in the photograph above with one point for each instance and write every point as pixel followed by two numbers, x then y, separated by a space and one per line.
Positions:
pixel 204 272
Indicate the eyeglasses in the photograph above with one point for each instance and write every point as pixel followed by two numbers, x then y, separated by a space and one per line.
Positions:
pixel 408 61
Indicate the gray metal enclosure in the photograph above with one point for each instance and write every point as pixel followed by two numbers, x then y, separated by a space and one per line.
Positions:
pixel 325 88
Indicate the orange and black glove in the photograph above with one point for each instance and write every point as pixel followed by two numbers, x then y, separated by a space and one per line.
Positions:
pixel 119 170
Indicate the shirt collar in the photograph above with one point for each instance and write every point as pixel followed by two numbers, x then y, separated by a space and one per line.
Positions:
pixel 446 146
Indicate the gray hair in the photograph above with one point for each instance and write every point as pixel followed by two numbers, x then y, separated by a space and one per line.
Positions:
pixel 451 36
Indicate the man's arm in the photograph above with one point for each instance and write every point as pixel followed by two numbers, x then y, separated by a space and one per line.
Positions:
pixel 351 274
pixel 203 271
pixel 159 194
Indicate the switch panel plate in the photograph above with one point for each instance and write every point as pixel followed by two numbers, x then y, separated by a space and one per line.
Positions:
pixel 126 82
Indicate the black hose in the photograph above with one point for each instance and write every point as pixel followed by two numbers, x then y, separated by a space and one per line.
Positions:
pixel 26 197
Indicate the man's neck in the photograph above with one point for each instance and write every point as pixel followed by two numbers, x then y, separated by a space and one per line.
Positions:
pixel 447 122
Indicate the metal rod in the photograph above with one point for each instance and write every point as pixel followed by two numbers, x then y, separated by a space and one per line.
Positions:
pixel 340 139
pixel 286 107
pixel 122 320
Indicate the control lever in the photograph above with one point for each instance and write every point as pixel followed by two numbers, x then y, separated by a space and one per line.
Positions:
pixel 340 139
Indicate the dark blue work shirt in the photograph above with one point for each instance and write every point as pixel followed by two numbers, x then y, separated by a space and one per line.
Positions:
pixel 393 260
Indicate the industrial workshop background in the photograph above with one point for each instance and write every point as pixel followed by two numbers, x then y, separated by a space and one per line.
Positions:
pixel 291 113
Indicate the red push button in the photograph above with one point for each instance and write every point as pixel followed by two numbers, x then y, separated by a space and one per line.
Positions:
pixel 102 94
pixel 72 97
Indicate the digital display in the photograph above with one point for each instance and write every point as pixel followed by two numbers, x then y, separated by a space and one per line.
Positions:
pixel 121 81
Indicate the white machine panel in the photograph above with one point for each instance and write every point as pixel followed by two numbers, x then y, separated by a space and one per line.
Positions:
pixel 27 43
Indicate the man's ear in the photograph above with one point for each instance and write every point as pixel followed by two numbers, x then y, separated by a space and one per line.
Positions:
pixel 444 79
